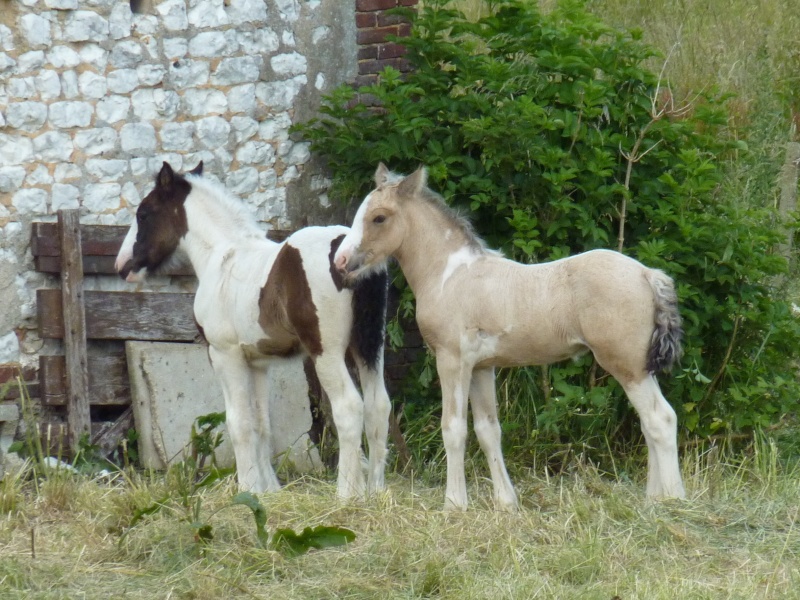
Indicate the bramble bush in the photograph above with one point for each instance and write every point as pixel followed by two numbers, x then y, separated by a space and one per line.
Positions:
pixel 552 135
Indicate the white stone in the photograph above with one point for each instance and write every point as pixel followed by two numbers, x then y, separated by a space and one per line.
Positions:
pixel 64 196
pixel 85 25
pixel 7 63
pixel 36 30
pixel 288 39
pixel 144 25
pixel 207 14
pixel 106 169
pixel 63 57
pixel 213 132
pixel 262 41
pixel 123 81
pixel 113 109
pixel 39 176
pixel 174 15
pixel 275 129
pixel 67 172
pixel 242 69
pixel 138 138
pixel 268 179
pixel 30 201
pixel 175 48
pixel 209 44
pixel 11 178
pixel 188 73
pixel 130 194
pixel 243 181
pixel 69 84
pixel 61 4
pixel 151 104
pixel 244 128
pixel 27 116
pixel 126 54
pixel 319 82
pixel 200 102
pixel 319 34
pixel 28 62
pixel 48 84
pixel 9 348
pixel 292 63
pixel 289 9
pixel 177 137
pixel 94 56
pixel 21 87
pixel 15 150
pixel 255 153
pixel 242 99
pixel 96 141
pixel 289 175
pixel 70 114
pixel 53 146
pixel 247 11
pixel 222 158
pixel 6 38
pixel 151 74
pixel 150 44
pixel 280 95
pixel 100 197
pixel 120 20
pixel 92 85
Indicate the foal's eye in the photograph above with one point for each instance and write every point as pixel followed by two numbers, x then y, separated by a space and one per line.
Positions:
pixel 379 219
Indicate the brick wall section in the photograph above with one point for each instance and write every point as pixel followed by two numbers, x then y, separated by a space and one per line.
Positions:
pixel 375 51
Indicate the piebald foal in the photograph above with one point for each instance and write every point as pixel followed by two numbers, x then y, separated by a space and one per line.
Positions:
pixel 477 310
pixel 258 300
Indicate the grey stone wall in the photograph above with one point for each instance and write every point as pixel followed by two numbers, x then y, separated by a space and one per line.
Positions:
pixel 94 97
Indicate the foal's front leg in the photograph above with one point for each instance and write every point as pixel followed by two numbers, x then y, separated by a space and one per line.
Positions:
pixel 252 451
pixel 455 378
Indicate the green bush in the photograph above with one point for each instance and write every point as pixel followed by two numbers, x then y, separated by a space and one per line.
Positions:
pixel 548 130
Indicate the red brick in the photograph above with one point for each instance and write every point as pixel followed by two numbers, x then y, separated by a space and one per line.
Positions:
pixel 409 2
pixel 9 371
pixel 367 67
pixel 373 5
pixel 368 52
pixel 364 80
pixel 389 51
pixel 384 19
pixel 374 36
pixel 364 20
pixel 404 29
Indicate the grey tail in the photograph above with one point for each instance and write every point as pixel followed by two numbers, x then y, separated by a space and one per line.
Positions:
pixel 665 345
pixel 370 294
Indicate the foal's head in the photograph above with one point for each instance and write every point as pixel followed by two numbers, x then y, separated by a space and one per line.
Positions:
pixel 379 226
pixel 160 224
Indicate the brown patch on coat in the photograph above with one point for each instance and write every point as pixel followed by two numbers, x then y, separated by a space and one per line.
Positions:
pixel 336 276
pixel 287 312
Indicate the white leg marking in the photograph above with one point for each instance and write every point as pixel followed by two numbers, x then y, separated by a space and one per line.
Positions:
pixel 483 398
pixel 660 427
pixel 377 407
pixel 455 379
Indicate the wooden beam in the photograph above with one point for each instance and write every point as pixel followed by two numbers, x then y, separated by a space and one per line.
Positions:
pixel 69 234
pixel 108 380
pixel 147 316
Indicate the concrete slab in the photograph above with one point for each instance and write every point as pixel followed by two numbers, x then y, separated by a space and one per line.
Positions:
pixel 173 384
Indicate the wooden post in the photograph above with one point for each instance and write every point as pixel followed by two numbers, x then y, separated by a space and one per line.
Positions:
pixel 78 418
pixel 788 202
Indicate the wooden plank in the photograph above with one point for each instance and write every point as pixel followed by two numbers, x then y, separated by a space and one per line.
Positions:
pixel 78 417
pixel 148 316
pixel 111 433
pixel 102 265
pixel 108 380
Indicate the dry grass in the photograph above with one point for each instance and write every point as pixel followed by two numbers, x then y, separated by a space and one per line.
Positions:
pixel 581 536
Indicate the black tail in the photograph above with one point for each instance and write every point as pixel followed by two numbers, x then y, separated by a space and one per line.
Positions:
pixel 665 347
pixel 369 316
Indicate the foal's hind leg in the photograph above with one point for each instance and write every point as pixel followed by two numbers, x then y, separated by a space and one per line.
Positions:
pixel 483 397
pixel 660 428
pixel 348 414
pixel 376 420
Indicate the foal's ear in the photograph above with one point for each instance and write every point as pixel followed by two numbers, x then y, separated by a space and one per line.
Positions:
pixel 412 184
pixel 381 174
pixel 165 176
pixel 198 170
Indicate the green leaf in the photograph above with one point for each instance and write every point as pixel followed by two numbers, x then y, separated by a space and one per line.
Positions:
pixel 259 514
pixel 292 544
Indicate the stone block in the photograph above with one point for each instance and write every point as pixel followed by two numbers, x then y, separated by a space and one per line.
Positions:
pixel 9 419
pixel 173 384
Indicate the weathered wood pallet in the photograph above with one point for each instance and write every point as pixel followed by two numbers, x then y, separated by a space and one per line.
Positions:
pixel 92 374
